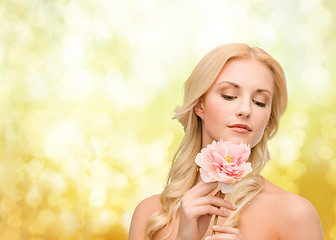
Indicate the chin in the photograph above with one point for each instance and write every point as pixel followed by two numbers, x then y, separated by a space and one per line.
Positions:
pixel 236 140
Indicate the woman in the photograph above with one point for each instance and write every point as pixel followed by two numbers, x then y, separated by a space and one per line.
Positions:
pixel 235 93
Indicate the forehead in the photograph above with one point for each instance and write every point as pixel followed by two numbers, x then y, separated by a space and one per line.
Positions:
pixel 246 73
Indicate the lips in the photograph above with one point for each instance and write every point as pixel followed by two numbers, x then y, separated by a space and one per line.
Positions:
pixel 240 126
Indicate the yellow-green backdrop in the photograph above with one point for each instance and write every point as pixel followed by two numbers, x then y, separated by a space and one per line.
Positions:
pixel 88 89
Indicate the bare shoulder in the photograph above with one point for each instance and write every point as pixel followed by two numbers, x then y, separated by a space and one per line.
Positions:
pixel 288 215
pixel 284 201
pixel 149 205
pixel 289 204
pixel 141 215
pixel 299 218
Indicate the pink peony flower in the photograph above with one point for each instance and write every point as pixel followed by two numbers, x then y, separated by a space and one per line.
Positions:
pixel 225 162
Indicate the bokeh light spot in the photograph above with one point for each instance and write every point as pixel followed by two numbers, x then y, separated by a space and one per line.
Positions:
pixel 33 197
pixel 63 136
pixel 97 196
pixel 14 221
pixel 330 177
pixel 333 165
pixel 296 170
pixel 326 152
pixel 37 228
pixel 46 217
pixel 70 221
pixel 54 199
pixel 73 50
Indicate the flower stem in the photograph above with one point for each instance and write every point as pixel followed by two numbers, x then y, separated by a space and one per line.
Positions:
pixel 216 218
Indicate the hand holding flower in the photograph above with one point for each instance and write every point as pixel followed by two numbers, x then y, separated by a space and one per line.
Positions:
pixel 225 232
pixel 224 162
pixel 197 206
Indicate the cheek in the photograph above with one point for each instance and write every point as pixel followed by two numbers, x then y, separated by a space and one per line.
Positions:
pixel 263 119
pixel 213 111
pixel 262 124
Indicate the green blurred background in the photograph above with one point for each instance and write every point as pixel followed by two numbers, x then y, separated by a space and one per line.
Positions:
pixel 88 89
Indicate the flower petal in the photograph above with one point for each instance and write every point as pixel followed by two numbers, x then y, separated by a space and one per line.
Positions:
pixel 224 161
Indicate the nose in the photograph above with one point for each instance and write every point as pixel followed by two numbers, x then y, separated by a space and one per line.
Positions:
pixel 244 109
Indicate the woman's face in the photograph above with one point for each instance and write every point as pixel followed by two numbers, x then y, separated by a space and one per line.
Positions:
pixel 237 107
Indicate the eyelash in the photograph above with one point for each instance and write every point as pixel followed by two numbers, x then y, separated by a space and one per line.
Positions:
pixel 230 98
pixel 260 104
pixel 227 97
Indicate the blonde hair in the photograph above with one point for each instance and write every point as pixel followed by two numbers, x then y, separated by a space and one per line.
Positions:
pixel 184 171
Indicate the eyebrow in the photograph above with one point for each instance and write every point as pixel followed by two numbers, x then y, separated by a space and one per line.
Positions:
pixel 235 85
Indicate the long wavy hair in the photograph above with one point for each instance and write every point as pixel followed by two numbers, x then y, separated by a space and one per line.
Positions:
pixel 183 173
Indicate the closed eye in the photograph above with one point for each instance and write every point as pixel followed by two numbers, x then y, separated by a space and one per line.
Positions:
pixel 228 97
pixel 260 104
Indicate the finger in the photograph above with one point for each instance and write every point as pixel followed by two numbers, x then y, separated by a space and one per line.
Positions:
pixel 207 210
pixel 222 236
pixel 202 189
pixel 215 201
pixel 226 229
pixel 217 194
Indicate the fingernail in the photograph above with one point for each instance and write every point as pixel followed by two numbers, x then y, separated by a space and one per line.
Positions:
pixel 234 206
pixel 215 226
pixel 207 238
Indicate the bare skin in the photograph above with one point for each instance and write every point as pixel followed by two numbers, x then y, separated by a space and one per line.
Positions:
pixel 274 214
